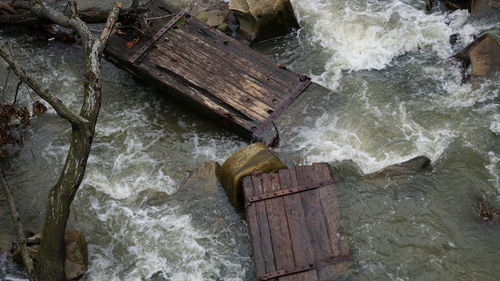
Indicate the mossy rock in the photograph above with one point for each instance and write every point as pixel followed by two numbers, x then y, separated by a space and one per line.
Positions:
pixel 253 158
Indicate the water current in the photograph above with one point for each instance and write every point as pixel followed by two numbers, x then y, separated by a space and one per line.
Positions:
pixel 393 94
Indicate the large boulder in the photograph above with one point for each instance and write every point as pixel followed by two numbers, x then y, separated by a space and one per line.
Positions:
pixel 253 158
pixel 264 19
pixel 76 263
pixel 399 171
pixel 482 55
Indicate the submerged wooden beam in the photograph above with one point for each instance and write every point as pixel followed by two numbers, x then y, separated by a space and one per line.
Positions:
pixel 295 224
pixel 205 68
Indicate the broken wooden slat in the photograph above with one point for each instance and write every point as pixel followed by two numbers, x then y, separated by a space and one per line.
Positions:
pixel 299 234
pixel 314 215
pixel 304 226
pixel 202 66
pixel 263 226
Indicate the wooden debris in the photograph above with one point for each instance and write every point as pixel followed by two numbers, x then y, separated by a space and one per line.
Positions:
pixel 205 68
pixel 295 224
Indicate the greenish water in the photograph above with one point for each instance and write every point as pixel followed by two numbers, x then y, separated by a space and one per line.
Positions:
pixel 393 95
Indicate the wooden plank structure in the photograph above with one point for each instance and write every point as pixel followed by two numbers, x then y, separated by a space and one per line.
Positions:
pixel 204 67
pixel 295 224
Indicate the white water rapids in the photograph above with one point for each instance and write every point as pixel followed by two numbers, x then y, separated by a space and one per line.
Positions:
pixel 394 95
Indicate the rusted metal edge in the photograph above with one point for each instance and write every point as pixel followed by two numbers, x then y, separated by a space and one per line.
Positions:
pixel 285 272
pixel 156 36
pixel 287 191
pixel 306 81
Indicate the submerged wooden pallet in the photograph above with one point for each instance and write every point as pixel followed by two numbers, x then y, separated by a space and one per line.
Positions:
pixel 204 67
pixel 295 224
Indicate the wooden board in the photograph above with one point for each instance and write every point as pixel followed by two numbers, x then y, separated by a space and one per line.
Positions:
pixel 295 224
pixel 205 68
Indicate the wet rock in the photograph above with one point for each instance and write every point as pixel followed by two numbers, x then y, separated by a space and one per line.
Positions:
pixel 475 7
pixel 482 55
pixel 484 7
pixel 457 4
pixel 214 13
pixel 76 263
pixel 213 18
pixel 152 197
pixel 454 38
pixel 253 158
pixel 203 182
pixel 264 19
pixel 400 170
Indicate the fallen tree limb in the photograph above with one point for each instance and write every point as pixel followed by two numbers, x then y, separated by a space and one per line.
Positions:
pixel 52 250
pixel 20 14
pixel 14 214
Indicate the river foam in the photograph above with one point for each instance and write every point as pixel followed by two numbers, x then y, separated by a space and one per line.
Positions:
pixel 360 35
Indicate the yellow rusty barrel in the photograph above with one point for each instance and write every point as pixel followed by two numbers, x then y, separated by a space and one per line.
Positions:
pixel 255 157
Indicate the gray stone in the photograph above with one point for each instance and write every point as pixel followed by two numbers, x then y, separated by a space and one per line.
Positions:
pixel 203 182
pixel 400 171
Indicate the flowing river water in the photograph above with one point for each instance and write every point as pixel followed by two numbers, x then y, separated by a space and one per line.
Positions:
pixel 393 94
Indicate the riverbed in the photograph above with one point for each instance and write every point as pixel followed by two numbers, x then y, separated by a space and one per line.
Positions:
pixel 393 94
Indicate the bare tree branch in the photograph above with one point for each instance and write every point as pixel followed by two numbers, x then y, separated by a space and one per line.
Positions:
pixel 27 261
pixel 8 8
pixel 37 8
pixel 52 250
pixel 43 92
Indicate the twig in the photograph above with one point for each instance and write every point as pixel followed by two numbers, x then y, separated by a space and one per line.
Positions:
pixel 44 93
pixel 5 84
pixel 8 8
pixel 17 90
pixel 27 261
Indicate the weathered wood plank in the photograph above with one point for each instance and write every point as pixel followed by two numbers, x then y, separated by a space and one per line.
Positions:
pixel 314 216
pixel 177 65
pixel 278 225
pixel 330 204
pixel 256 83
pixel 265 234
pixel 301 243
pixel 253 226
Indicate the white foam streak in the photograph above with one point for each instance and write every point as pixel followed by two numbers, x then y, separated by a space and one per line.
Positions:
pixel 331 139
